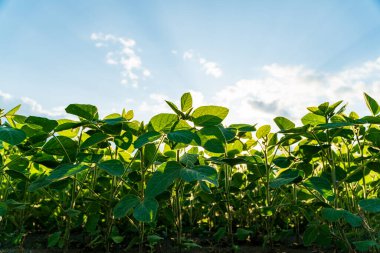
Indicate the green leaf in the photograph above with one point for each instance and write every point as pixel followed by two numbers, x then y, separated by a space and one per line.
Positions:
pixel 283 123
pixel 263 131
pixel 94 139
pixel 181 136
pixel 53 239
pixel 313 119
pixel 186 102
pixel 242 234
pixel 47 125
pixel 124 141
pixel 11 135
pixel 12 111
pixel 146 211
pixel 113 167
pixel 365 246
pixel 39 183
pixel 321 185
pixel 146 138
pixel 333 215
pixel 163 121
pixel 175 109
pixel 212 139
pixel 89 112
pixel 352 219
pixel 162 178
pixel 61 145
pixel 372 105
pixel 3 208
pixel 66 170
pixel 125 204
pixel 219 234
pixel 117 239
pixel 310 235
pixel 370 205
pixel 14 174
pixel 209 115
pixel 198 173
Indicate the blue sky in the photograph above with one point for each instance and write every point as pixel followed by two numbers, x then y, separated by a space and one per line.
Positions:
pixel 259 58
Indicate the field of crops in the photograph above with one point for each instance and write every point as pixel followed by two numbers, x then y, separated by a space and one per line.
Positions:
pixel 185 180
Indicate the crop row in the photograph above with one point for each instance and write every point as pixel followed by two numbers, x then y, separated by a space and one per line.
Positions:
pixel 190 181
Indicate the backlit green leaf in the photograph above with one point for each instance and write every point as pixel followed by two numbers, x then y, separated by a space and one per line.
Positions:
pixel 11 135
pixel 146 138
pixel 66 170
pixel 113 167
pixel 162 178
pixel 209 115
pixel 186 102
pixel 283 123
pixel 212 139
pixel 163 121
pixel 263 131
pixel 313 119
pixel 94 139
pixel 46 125
pixel 198 173
pixel 182 136
pixel 372 105
pixel 89 112
pixel 321 185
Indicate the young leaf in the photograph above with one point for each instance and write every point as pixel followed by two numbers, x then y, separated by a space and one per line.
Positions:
pixel 313 119
pixel 89 112
pixel 263 131
pixel 186 102
pixel 283 123
pixel 163 121
pixel 209 115
pixel 372 105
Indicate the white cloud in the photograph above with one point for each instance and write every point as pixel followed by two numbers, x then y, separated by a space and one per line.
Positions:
pixel 121 53
pixel 37 108
pixel 188 55
pixel 288 90
pixel 209 67
pixel 5 95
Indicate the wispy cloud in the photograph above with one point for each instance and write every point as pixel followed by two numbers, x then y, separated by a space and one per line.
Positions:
pixel 37 108
pixel 121 52
pixel 5 95
pixel 209 67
